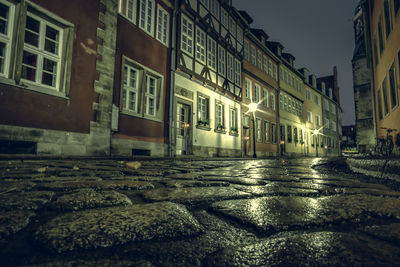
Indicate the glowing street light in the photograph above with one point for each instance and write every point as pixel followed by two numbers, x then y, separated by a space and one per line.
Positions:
pixel 252 108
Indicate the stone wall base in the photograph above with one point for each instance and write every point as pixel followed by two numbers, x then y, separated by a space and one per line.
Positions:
pixel 203 151
pixel 129 148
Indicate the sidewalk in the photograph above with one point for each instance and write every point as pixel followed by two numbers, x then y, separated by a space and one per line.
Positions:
pixel 382 168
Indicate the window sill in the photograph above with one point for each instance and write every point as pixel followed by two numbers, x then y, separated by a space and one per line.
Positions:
pixel 34 88
pixel 234 134
pixel 138 115
pixel 205 128
pixel 220 131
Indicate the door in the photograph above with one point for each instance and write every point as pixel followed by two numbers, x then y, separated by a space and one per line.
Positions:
pixel 246 139
pixel 183 131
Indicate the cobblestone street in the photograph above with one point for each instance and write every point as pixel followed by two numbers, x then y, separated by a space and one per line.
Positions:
pixel 194 213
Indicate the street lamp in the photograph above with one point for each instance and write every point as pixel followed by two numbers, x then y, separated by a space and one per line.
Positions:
pixel 252 108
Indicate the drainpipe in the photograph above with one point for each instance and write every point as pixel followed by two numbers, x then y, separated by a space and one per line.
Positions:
pixel 172 77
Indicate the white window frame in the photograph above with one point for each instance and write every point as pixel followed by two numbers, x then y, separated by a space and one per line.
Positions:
pixel 221 61
pixel 130 9
pixel 253 55
pixel 259 59
pixel 308 94
pixel 230 67
pixel 127 88
pixel 265 97
pixel 42 54
pixel 258 130
pixel 151 96
pixel 219 114
pixel 211 53
pixel 187 35
pixel 147 12
pixel 275 72
pixel 233 119
pixel 7 39
pixel 266 132
pixel 232 27
pixel 317 120
pixel 162 25
pixel 214 8
pixel 248 86
pixel 265 64
pixel 316 99
pixel 200 45
pixel 238 72
pixel 271 73
pixel 246 50
pixel 309 117
pixel 257 93
pixel 272 101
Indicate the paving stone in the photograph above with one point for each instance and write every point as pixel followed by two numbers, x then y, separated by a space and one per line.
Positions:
pixel 25 200
pixel 89 198
pixel 310 249
pixel 106 227
pixel 234 180
pixel 185 183
pixel 185 176
pixel 10 185
pixel 282 212
pixel 193 195
pixel 368 191
pixel 94 263
pixel 13 221
pixel 64 179
pixel 307 185
pixel 123 185
pixel 275 189
pixel 390 232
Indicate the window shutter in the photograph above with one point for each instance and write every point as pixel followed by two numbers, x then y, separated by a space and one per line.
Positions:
pixel 66 57
pixel 142 92
pixel 158 99
pixel 208 110
pixel 122 97
pixel 20 29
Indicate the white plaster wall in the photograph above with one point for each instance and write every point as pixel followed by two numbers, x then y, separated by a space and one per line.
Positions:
pixel 211 138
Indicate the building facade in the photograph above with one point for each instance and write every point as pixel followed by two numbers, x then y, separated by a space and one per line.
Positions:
pixel 383 27
pixel 260 86
pixel 56 76
pixel 142 78
pixel 362 81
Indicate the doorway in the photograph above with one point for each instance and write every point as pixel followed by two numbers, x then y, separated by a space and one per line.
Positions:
pixel 246 141
pixel 183 129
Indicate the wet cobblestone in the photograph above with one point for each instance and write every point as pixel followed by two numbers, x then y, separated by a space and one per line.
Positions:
pixel 194 213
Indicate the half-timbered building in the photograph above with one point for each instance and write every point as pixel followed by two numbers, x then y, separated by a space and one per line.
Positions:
pixel 207 91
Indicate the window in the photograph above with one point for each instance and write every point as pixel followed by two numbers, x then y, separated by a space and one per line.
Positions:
pixel 239 34
pixel 309 116
pixel 333 126
pixel 224 17
pixel 396 6
pixel 301 136
pixel 203 115
pixel 232 26
pixel 257 92
pixel 162 25
pixel 200 45
pixel 219 116
pixel 187 35
pixel 150 95
pixel 6 18
pixel 388 18
pixel 246 120
pixel 281 71
pixel 385 97
pixel 259 59
pixel 308 94
pixel 214 8
pixel 258 130
pixel 233 119
pixel 296 137
pixel 272 101
pixel 393 91
pixel 230 67
pixel 246 50
pixel 312 139
pixel 380 35
pixel 141 91
pixel 130 89
pixel 275 72
pixel 248 88
pixel 326 123
pixel 333 108
pixel 265 98
pixel 273 133
pixel 266 132
pixel 238 72
pixel 128 9
pixel 270 69
pixel 253 56
pixel 380 104
pixel 317 120
pixel 146 16
pixel 286 77
pixel 265 64
pixel 330 93
pixel 212 53
pixel 289 134
pixel 316 99
pixel 326 105
pixel 221 61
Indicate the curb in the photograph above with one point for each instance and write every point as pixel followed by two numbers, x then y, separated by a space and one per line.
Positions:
pixel 378 168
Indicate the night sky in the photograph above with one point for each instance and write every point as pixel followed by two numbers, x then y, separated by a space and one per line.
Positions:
pixel 319 33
